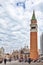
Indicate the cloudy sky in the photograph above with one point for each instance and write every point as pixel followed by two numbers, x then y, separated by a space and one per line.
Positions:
pixel 15 16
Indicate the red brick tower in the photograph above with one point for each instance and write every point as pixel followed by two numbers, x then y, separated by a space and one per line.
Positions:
pixel 33 38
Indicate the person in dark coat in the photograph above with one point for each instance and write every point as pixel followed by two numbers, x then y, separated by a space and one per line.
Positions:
pixel 29 60
pixel 5 61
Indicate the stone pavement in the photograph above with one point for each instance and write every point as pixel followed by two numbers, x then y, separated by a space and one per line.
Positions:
pixel 21 63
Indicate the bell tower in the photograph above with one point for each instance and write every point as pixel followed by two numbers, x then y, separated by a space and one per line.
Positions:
pixel 33 38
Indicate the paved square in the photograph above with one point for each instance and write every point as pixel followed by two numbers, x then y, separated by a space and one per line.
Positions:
pixel 21 63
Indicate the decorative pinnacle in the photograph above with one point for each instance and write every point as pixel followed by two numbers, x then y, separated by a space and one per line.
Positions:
pixel 33 16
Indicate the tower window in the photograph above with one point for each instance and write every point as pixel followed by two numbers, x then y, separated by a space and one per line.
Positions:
pixel 33 27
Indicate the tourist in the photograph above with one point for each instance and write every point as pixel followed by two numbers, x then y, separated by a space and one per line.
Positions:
pixel 29 60
pixel 5 61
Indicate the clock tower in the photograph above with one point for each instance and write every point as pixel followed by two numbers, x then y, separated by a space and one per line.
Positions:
pixel 33 38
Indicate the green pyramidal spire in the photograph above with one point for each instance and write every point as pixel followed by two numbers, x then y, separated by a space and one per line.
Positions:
pixel 33 16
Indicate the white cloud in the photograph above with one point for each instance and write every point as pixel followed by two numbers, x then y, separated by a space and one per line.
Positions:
pixel 3 23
